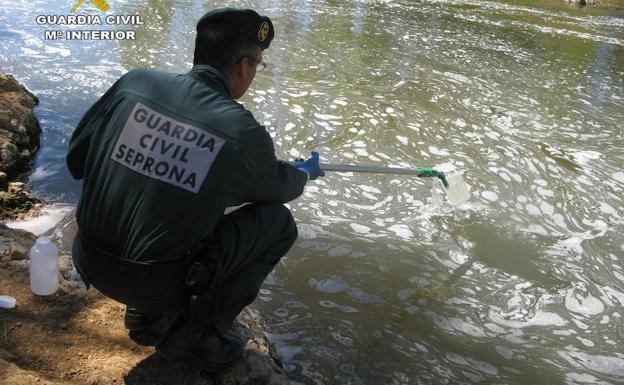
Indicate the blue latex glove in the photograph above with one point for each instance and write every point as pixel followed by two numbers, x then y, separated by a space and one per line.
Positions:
pixel 311 166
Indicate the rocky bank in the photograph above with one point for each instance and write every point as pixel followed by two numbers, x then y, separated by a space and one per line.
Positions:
pixel 19 140
pixel 76 336
pixel 19 128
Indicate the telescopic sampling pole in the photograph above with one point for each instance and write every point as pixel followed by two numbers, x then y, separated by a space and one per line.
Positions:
pixel 420 172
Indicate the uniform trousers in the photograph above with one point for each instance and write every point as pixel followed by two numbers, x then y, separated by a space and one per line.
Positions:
pixel 242 250
pixel 245 246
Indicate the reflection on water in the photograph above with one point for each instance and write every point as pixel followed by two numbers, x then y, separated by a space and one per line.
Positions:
pixel 521 285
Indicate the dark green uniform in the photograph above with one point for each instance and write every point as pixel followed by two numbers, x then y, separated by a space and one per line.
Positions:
pixel 161 156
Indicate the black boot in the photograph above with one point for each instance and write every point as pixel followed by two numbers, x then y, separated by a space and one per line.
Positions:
pixel 208 351
pixel 136 320
pixel 147 329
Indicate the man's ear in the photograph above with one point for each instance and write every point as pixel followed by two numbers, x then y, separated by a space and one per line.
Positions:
pixel 241 68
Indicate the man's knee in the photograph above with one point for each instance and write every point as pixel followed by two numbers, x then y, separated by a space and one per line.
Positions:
pixel 280 216
pixel 270 227
pixel 278 225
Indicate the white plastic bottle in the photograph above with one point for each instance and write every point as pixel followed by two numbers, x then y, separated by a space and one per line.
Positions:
pixel 44 267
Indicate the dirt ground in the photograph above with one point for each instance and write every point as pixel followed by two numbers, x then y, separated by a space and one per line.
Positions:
pixel 77 336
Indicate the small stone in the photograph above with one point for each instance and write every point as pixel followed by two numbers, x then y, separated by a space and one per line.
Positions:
pixel 16 187
pixel 18 324
pixel 18 265
pixel 18 252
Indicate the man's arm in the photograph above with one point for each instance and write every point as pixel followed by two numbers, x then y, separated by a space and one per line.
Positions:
pixel 271 180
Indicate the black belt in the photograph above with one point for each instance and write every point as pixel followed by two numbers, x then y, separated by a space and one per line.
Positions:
pixel 151 287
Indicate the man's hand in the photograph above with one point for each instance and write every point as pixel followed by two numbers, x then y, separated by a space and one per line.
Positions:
pixel 310 166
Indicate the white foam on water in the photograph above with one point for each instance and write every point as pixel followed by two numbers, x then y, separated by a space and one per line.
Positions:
pixel 481 366
pixel 364 297
pixel 57 50
pixel 532 209
pixel 607 209
pixel 586 342
pixel 50 217
pixel 370 189
pixel 360 228
pixel 541 318
pixel 329 285
pixel 545 192
pixel 281 312
pixel 568 332
pixel 344 340
pixel 361 152
pixel 586 157
pixel 585 305
pixel 330 304
pixel 575 378
pixel 503 351
pixel 31 53
pixel 402 231
pixel 547 208
pixel 436 151
pixel 490 195
pixel 289 352
pixel 456 324
pixel 613 295
pixel 403 139
pixel 297 94
pixel 619 176
pixel 326 117
pixel 607 365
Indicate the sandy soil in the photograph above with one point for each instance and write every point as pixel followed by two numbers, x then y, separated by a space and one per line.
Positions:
pixel 77 337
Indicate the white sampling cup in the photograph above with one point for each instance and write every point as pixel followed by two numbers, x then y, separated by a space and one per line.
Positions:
pixel 458 191
pixel 44 267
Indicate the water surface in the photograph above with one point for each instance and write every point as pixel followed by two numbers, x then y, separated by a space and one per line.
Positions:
pixel 386 284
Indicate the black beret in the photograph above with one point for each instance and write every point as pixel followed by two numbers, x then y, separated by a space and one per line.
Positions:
pixel 248 22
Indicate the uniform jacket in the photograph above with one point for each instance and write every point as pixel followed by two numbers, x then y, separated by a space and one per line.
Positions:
pixel 161 155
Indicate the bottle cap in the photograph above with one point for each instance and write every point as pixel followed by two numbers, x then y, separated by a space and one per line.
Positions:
pixel 7 302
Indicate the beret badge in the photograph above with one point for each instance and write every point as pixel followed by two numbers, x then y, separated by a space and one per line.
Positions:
pixel 263 32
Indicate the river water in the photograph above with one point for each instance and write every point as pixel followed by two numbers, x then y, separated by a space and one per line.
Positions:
pixel 388 284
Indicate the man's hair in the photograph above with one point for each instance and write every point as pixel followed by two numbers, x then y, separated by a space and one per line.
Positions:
pixel 221 47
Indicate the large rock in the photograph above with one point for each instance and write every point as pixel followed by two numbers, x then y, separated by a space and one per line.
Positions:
pixel 17 202
pixel 19 129
pixel 19 140
pixel 14 244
